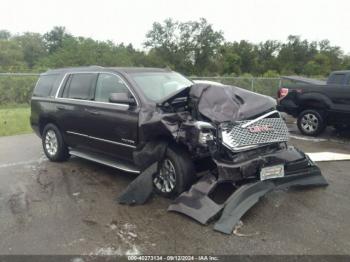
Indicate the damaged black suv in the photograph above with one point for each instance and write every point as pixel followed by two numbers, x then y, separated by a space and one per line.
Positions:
pixel 157 122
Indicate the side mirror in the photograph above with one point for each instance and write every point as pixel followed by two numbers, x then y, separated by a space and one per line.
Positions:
pixel 121 98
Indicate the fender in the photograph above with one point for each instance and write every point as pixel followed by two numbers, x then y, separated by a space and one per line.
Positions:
pixel 317 97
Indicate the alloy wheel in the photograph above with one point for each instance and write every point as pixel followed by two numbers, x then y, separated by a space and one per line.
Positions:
pixel 51 144
pixel 165 179
pixel 309 123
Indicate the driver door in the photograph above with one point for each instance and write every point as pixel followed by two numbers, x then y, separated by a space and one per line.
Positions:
pixel 113 127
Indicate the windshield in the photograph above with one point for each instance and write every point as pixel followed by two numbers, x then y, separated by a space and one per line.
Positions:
pixel 158 85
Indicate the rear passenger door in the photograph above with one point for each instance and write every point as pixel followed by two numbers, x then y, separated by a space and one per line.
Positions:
pixel 338 91
pixel 112 127
pixel 73 99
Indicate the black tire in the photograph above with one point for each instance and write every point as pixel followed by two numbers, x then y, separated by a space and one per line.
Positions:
pixel 184 171
pixel 61 153
pixel 311 122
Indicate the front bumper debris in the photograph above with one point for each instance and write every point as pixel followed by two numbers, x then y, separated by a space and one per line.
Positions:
pixel 200 202
pixel 248 195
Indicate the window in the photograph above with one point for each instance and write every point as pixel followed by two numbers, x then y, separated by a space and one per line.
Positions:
pixel 337 79
pixel 80 86
pixel 44 85
pixel 158 85
pixel 108 84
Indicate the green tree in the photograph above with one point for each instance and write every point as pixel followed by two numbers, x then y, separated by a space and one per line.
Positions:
pixel 54 39
pixel 230 61
pixel 320 65
pixel 334 54
pixel 188 47
pixel 4 35
pixel 86 51
pixel 11 56
pixel 267 56
pixel 33 47
pixel 295 54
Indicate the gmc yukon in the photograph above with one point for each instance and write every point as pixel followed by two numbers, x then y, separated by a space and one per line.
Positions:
pixel 162 126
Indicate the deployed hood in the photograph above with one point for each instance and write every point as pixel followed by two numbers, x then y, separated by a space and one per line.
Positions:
pixel 229 103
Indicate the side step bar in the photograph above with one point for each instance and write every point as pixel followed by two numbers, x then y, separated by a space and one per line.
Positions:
pixel 105 160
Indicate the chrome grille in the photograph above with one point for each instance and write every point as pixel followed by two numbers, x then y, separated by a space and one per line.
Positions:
pixel 263 131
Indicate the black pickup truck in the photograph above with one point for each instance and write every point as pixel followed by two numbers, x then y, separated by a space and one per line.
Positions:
pixel 315 103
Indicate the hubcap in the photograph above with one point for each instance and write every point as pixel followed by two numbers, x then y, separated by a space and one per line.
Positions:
pixel 165 180
pixel 309 123
pixel 51 142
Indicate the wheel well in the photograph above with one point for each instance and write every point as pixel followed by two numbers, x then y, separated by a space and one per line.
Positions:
pixel 312 104
pixel 44 121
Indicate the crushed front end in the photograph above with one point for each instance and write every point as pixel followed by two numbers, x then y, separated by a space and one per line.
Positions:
pixel 252 157
pixel 236 136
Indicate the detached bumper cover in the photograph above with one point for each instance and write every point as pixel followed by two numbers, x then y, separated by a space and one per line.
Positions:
pixel 248 195
pixel 199 204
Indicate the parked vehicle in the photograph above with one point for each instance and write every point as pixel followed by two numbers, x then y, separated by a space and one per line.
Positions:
pixel 317 104
pixel 158 123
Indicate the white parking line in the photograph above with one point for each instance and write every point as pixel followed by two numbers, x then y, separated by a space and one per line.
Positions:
pixel 308 138
pixel 328 156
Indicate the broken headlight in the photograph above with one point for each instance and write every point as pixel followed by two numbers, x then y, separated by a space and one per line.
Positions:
pixel 205 132
pixel 205 136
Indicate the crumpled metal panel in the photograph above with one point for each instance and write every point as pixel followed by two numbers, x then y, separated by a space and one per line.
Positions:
pixel 140 189
pixel 248 195
pixel 196 202
pixel 229 103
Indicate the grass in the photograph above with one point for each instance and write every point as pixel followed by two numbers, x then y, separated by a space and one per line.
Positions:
pixel 14 119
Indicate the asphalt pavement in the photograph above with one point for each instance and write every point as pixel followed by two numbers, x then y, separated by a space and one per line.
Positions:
pixel 71 208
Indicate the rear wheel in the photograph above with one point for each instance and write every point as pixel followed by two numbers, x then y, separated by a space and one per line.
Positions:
pixel 175 174
pixel 311 122
pixel 54 147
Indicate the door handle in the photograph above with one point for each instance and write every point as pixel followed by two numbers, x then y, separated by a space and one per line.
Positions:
pixel 93 112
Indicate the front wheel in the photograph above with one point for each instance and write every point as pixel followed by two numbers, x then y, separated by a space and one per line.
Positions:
pixel 175 173
pixel 54 147
pixel 311 122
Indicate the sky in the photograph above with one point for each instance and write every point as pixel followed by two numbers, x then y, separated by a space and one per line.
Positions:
pixel 129 20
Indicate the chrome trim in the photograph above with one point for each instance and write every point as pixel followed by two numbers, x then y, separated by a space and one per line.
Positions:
pixel 96 72
pixel 112 142
pixel 78 134
pixel 128 140
pixel 90 101
pixel 100 139
pixel 242 148
pixel 100 161
pixel 60 85
pixel 259 118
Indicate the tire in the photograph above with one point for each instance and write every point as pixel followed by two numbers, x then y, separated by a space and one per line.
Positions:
pixel 53 144
pixel 311 122
pixel 178 159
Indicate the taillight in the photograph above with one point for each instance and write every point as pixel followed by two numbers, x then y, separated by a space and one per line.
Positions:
pixel 283 92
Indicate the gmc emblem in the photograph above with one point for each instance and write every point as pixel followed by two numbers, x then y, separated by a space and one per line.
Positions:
pixel 260 129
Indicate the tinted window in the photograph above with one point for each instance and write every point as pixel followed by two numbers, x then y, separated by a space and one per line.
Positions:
pixel 44 85
pixel 80 86
pixel 337 79
pixel 107 84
